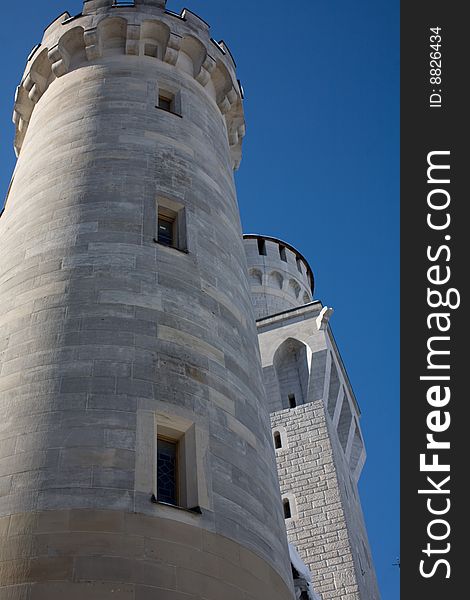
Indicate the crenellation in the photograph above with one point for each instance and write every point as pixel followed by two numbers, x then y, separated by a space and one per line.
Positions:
pixel 69 44
pixel 195 21
pixel 59 20
pixel 172 49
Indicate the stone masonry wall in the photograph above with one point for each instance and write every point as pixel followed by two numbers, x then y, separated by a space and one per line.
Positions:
pixel 322 452
pixel 318 528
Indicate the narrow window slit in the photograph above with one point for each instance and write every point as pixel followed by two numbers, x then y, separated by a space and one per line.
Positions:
pixel 262 247
pixel 287 510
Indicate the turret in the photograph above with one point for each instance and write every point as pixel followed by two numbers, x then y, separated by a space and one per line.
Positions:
pixel 280 277
pixel 136 458
pixel 143 28
pixel 315 421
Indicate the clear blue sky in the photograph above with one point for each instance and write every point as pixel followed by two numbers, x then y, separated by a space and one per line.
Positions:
pixel 320 170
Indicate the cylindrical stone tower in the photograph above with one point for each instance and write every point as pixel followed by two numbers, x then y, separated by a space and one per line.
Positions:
pixel 280 277
pixel 136 459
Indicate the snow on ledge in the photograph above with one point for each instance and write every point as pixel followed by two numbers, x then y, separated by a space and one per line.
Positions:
pixel 303 571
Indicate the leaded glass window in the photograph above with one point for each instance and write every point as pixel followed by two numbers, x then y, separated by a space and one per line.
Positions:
pixel 167 471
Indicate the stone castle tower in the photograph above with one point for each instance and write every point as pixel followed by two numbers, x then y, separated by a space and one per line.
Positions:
pixel 136 456
pixel 315 422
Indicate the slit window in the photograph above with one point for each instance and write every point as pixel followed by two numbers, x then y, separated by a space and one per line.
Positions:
pixel 262 247
pixel 282 253
pixel 277 440
pixel 167 471
pixel 287 510
pixel 292 401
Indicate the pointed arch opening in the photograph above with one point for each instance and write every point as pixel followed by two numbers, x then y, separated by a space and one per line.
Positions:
pixel 292 371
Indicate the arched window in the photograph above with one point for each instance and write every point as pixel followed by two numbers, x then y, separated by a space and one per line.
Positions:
pixel 293 373
pixel 280 437
pixel 287 510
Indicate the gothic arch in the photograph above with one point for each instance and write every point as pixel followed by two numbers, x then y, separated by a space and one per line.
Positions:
pixel 292 369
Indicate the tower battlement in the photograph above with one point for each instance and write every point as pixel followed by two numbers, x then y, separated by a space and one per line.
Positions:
pixel 280 277
pixel 90 6
pixel 315 420
pixel 142 31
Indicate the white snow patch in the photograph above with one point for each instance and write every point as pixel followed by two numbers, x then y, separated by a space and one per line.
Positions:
pixel 303 571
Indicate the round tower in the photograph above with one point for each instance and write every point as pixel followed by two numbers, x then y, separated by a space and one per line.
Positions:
pixel 136 458
pixel 280 277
